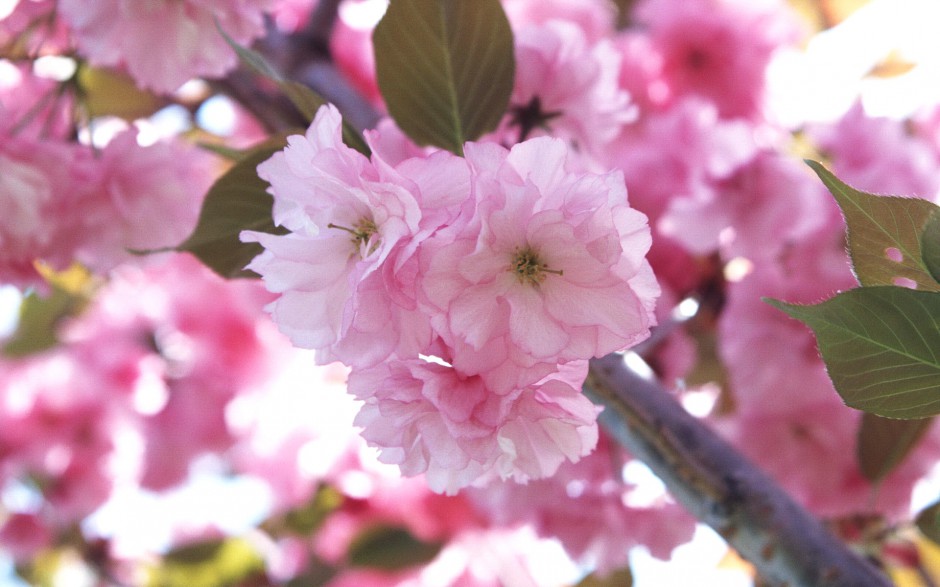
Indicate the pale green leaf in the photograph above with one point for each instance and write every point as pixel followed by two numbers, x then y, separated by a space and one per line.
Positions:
pixel 884 234
pixel 445 68
pixel 881 346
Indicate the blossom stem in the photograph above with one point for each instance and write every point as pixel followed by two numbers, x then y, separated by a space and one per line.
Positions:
pixel 786 544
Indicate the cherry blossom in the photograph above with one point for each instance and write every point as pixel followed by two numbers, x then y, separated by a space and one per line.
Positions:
pixel 345 273
pixel 718 49
pixel 880 155
pixel 37 195
pixel 590 509
pixel 594 18
pixel 138 198
pixel 163 43
pixel 755 213
pixel 568 87
pixel 429 418
pixel 552 262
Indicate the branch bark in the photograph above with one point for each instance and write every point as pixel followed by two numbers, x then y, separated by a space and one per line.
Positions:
pixel 788 546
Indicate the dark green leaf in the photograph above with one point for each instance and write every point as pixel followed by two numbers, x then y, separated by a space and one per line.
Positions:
pixel 195 553
pixel 619 578
pixel 445 68
pixel 624 12
pixel 928 522
pixel 884 233
pixel 390 548
pixel 210 563
pixel 881 347
pixel 237 201
pixel 302 97
pixel 930 246
pixel 883 443
pixel 316 574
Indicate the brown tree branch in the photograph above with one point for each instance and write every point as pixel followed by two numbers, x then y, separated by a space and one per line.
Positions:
pixel 788 546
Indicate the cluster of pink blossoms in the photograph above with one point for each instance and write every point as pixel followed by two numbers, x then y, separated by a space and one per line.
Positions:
pixel 467 294
pixel 164 43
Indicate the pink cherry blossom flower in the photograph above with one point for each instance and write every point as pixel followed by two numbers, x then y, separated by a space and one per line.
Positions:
pixel 880 155
pixel 24 535
pixel 38 197
pixel 769 203
pixel 566 87
pixel 684 150
pixel 56 429
pixel 139 198
pixel 595 18
pixel 591 510
pixel 552 263
pixel 163 43
pixel 429 418
pixel 31 25
pixel 292 15
pixel 804 449
pixel 718 49
pixel 31 106
pixel 346 273
pixel 173 359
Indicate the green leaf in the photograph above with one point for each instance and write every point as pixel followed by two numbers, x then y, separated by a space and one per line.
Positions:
pixel 445 68
pixel 390 548
pixel 39 319
pixel 619 578
pixel 38 323
pixel 930 246
pixel 306 518
pixel 302 97
pixel 252 59
pixel 316 574
pixel 105 92
pixel 237 201
pixel 884 233
pixel 209 563
pixel 928 522
pixel 883 443
pixel 881 347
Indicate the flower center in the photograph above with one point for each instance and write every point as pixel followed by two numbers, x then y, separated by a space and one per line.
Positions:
pixel 361 232
pixel 528 267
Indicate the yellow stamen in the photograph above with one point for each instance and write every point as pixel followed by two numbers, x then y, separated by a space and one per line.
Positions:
pixel 529 268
